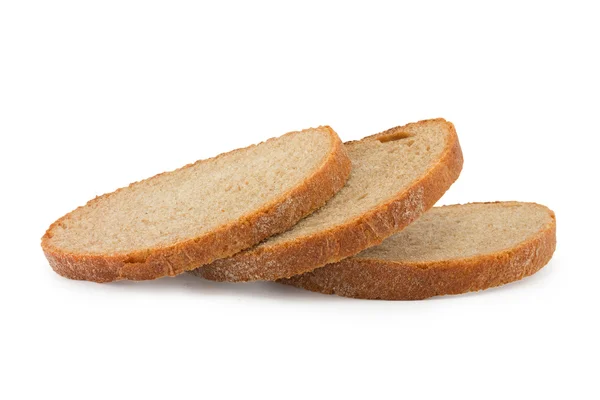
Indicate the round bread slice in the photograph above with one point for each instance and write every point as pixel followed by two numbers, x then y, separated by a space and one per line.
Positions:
pixel 396 176
pixel 175 221
pixel 450 250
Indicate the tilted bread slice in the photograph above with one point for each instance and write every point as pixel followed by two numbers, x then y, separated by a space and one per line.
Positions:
pixel 450 250
pixel 178 220
pixel 396 176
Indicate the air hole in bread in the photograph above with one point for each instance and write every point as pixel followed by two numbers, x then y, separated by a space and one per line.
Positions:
pixel 392 137
pixel 135 258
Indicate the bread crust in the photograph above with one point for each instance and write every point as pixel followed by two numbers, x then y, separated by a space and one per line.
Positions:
pixel 389 280
pixel 308 253
pixel 276 217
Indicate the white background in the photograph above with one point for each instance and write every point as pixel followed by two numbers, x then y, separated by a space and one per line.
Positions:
pixel 95 95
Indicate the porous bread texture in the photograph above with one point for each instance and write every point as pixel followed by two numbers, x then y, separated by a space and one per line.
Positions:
pixel 397 175
pixel 192 201
pixel 175 221
pixel 446 233
pixel 450 250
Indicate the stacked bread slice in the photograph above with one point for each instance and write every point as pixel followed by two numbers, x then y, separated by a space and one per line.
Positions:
pixel 396 176
pixel 450 250
pixel 306 210
pixel 179 220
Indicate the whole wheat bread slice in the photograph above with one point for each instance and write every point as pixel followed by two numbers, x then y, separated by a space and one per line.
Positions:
pixel 450 250
pixel 178 220
pixel 396 176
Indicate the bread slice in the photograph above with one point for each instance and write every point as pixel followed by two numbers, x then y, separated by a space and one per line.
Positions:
pixel 176 221
pixel 450 250
pixel 396 176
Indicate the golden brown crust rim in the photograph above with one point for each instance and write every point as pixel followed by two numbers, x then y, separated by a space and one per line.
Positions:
pixel 308 253
pixel 276 217
pixel 388 280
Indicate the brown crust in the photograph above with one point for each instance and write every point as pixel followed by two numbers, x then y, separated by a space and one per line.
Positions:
pixel 275 217
pixel 308 253
pixel 389 280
